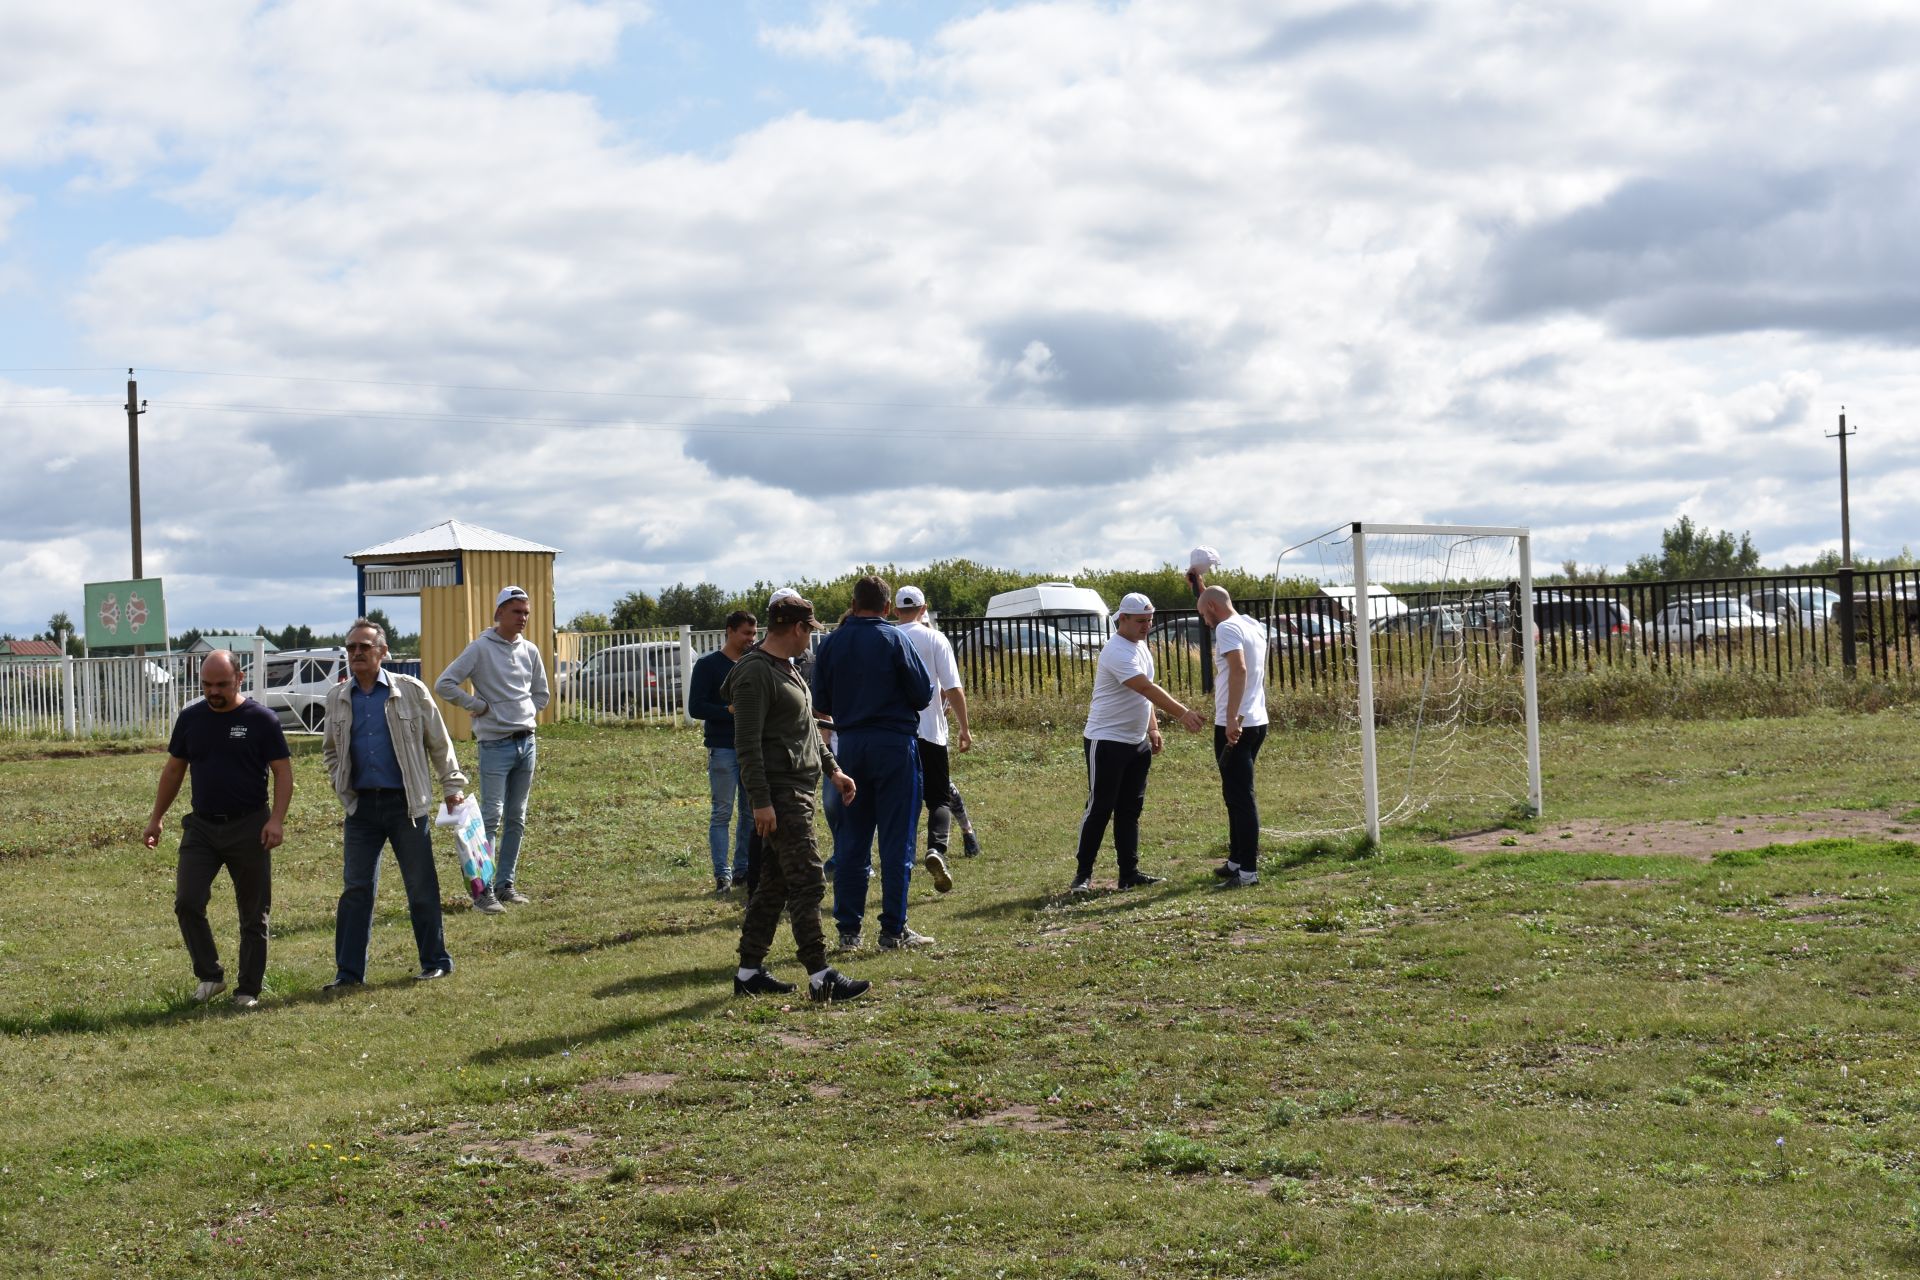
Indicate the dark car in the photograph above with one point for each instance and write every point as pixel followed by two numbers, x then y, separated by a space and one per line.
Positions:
pixel 628 678
pixel 1583 619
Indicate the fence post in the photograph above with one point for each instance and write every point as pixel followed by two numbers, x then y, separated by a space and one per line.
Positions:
pixel 66 688
pixel 1849 654
pixel 686 672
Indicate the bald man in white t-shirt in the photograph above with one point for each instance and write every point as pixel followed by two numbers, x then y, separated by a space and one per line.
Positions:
pixel 1122 737
pixel 1239 727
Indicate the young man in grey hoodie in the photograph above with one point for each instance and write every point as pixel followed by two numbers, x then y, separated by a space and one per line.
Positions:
pixel 509 692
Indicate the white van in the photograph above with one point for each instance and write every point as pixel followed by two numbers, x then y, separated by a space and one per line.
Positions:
pixel 1082 613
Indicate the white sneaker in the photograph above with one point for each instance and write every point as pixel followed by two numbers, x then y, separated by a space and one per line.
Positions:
pixel 937 868
pixel 207 991
pixel 241 1000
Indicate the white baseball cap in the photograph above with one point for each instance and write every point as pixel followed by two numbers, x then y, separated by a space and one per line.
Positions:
pixel 506 594
pixel 1203 558
pixel 1134 602
pixel 784 593
pixel 909 598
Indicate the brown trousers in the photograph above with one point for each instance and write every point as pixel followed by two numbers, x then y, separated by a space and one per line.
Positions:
pixel 791 880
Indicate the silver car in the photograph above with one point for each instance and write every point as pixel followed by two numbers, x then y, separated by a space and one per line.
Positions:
pixel 1710 620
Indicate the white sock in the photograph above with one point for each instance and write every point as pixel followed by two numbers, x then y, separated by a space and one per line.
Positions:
pixel 815 979
pixel 744 974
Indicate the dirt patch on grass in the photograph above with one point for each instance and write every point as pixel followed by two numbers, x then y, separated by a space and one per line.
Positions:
pixel 1699 840
pixel 562 1152
pixel 1022 1116
pixel 634 1082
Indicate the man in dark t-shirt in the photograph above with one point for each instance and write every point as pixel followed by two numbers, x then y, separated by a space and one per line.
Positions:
pixel 229 743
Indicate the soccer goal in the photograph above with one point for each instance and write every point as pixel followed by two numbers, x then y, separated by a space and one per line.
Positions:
pixel 1421 639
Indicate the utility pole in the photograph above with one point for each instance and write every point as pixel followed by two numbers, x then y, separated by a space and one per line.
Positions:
pixel 1846 526
pixel 1849 617
pixel 136 407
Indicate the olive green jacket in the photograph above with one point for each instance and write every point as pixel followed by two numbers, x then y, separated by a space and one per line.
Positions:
pixel 774 736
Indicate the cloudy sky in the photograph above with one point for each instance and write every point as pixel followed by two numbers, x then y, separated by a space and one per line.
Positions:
pixel 698 290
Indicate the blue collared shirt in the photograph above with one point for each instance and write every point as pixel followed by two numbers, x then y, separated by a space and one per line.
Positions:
pixel 374 761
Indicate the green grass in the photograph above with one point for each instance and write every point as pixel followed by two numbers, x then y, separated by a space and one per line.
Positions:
pixel 1401 1063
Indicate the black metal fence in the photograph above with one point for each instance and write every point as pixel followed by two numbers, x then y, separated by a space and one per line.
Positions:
pixel 1771 624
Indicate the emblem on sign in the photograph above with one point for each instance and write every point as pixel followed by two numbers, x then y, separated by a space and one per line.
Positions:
pixel 110 614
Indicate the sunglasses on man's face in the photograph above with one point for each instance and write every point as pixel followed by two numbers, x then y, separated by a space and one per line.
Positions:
pixel 362 648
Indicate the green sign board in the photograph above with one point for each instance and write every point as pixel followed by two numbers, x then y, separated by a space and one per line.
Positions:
pixel 121 615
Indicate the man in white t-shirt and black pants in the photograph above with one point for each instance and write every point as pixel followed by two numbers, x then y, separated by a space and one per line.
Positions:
pixel 1122 737
pixel 936 654
pixel 1239 727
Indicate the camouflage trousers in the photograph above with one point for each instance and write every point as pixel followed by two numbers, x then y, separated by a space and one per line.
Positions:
pixel 791 880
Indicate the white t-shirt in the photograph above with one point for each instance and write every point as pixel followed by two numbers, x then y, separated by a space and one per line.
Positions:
pixel 1117 713
pixel 936 654
pixel 1250 638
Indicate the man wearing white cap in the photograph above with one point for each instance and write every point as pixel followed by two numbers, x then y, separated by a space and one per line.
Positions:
pixel 936 783
pixel 509 693
pixel 1122 737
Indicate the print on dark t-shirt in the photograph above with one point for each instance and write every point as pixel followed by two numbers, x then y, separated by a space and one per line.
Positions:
pixel 227 753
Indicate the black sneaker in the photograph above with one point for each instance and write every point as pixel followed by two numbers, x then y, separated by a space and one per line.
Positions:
pixel 834 985
pixel 849 942
pixel 1083 885
pixel 1240 879
pixel 1138 880
pixel 432 973
pixel 970 844
pixel 761 983
pixel 1226 871
pixel 338 985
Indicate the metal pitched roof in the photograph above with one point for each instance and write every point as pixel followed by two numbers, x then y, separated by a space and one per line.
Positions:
pixel 451 535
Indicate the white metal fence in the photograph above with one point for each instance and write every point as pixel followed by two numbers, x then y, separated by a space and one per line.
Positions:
pixel 120 696
pixel 627 675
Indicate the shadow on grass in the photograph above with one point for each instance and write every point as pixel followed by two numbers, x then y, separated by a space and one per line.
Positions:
pixel 70 1020
pixel 673 980
pixel 1343 848
pixel 1006 908
pixel 669 929
pixel 548 1045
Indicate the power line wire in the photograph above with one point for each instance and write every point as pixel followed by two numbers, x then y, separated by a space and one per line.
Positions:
pixel 886 432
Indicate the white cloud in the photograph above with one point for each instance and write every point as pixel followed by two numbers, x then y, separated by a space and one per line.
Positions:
pixel 835 36
pixel 1108 278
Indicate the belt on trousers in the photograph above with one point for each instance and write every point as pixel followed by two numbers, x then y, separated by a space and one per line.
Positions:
pixel 521 733
pixel 221 819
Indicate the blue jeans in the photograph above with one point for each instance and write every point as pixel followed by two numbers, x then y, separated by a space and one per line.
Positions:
pixel 379 818
pixel 730 804
pixel 506 777
pixel 885 769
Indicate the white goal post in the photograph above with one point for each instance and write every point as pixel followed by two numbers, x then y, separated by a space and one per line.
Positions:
pixel 1471 588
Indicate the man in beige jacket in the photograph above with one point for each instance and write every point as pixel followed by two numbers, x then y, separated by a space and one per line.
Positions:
pixel 384 742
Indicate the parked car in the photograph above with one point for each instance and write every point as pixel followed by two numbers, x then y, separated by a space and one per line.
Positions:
pixel 1021 636
pixel 294 686
pixel 625 678
pixel 1797 606
pixel 1181 630
pixel 1584 619
pixel 1710 620
pixel 1304 631
pixel 1447 620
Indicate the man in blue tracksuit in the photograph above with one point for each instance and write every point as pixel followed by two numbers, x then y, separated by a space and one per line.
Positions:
pixel 869 681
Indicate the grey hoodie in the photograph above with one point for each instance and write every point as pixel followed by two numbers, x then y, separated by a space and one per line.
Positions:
pixel 508 678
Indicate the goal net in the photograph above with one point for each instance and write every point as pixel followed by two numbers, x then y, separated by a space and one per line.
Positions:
pixel 1420 641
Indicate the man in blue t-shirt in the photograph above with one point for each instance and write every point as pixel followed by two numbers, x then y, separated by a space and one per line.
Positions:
pixel 229 743
pixel 729 798
pixel 868 680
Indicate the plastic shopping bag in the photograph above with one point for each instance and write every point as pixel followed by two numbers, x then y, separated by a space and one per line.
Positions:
pixel 470 833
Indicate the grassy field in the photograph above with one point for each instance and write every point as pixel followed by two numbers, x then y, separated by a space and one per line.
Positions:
pixel 1417 1063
